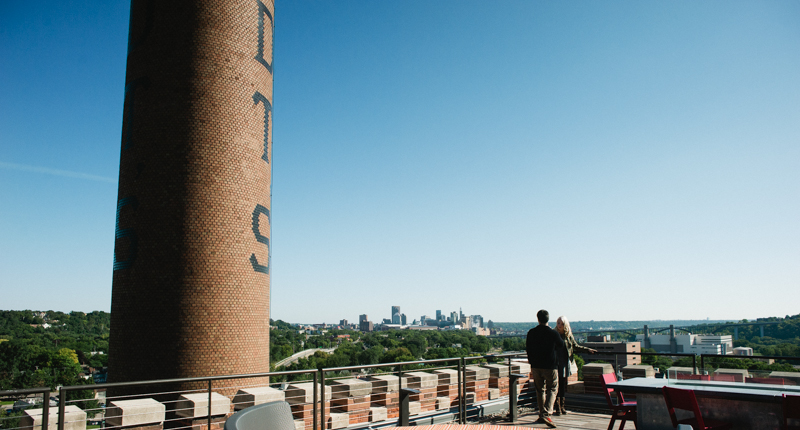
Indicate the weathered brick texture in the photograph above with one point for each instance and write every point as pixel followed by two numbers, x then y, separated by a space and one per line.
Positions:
pixel 191 258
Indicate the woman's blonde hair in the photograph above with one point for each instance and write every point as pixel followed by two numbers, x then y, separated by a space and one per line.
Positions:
pixel 567 328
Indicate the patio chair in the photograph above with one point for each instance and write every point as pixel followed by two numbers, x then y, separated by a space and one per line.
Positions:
pixel 677 398
pixel 791 411
pixel 272 416
pixel 623 411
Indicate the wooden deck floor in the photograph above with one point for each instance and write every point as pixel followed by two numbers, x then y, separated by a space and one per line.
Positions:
pixel 570 421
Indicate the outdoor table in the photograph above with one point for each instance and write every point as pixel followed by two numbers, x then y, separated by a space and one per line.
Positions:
pixel 745 405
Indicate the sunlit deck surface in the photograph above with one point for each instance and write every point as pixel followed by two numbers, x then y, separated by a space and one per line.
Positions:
pixel 572 420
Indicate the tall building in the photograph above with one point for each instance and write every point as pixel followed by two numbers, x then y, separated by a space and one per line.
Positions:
pixel 438 315
pixel 454 318
pixel 403 320
pixel 477 321
pixel 396 315
pixel 362 318
pixel 191 272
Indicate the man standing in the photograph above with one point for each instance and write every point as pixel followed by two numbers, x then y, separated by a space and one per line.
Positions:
pixel 541 346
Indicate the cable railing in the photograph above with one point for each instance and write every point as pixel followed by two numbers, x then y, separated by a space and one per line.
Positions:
pixel 459 389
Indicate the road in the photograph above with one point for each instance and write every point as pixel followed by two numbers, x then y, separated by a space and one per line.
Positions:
pixel 302 354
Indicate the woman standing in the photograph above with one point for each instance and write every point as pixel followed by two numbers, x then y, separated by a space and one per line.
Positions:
pixel 566 361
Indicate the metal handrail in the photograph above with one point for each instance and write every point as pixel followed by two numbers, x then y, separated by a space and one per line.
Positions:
pixel 319 379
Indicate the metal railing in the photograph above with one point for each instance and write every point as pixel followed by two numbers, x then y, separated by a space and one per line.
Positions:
pixel 319 379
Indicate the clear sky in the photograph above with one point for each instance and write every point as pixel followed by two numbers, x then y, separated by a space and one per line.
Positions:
pixel 604 160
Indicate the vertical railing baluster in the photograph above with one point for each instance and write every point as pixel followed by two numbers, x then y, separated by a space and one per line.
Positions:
pixel 45 409
pixel 209 404
pixel 314 402
pixel 322 398
pixel 62 406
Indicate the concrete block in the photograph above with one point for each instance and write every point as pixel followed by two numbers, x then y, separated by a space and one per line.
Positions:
pixel 674 370
pixel 442 403
pixel 638 371
pixel 138 412
pixel 304 392
pixel 447 376
pixel 299 425
pixel 737 374
pixel 342 388
pixel 75 418
pixel 386 383
pixel 247 397
pixel 476 373
pixel 520 367
pixel 494 393
pixel 414 408
pixel 338 420
pixel 497 370
pixel 789 377
pixel 597 369
pixel 196 405
pixel 422 380
pixel 378 414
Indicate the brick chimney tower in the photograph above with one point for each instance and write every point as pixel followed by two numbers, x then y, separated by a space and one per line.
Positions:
pixel 191 276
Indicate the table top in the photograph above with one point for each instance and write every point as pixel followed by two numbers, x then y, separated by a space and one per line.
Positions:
pixel 718 389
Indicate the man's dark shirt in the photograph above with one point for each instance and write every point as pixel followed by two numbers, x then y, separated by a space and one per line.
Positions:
pixel 541 345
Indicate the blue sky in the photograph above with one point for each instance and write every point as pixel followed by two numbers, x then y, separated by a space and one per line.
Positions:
pixel 603 160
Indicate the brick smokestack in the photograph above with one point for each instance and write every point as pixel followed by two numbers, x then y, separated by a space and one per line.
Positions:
pixel 192 243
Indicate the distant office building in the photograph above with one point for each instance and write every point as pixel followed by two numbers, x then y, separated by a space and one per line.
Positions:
pixel 480 331
pixel 362 318
pixel 343 323
pixel 690 343
pixel 490 325
pixel 396 315
pixel 466 321
pixel 403 320
pixel 438 315
pixel 454 317
pixel 477 321
pixel 386 321
pixel 605 352
pixel 423 320
pixel 365 326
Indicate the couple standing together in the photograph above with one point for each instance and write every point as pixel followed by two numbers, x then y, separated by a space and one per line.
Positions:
pixel 550 354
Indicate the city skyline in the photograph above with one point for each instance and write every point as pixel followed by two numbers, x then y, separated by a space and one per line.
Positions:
pixel 606 161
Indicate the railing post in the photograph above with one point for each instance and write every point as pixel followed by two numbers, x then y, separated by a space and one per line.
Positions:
pixel 702 362
pixel 512 396
pixel 314 402
pixel 45 409
pixel 322 398
pixel 62 406
pixel 405 396
pixel 694 365
pixel 462 387
pixel 209 404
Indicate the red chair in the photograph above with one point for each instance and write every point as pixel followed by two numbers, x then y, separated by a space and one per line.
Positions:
pixel 791 411
pixel 623 410
pixel 677 398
